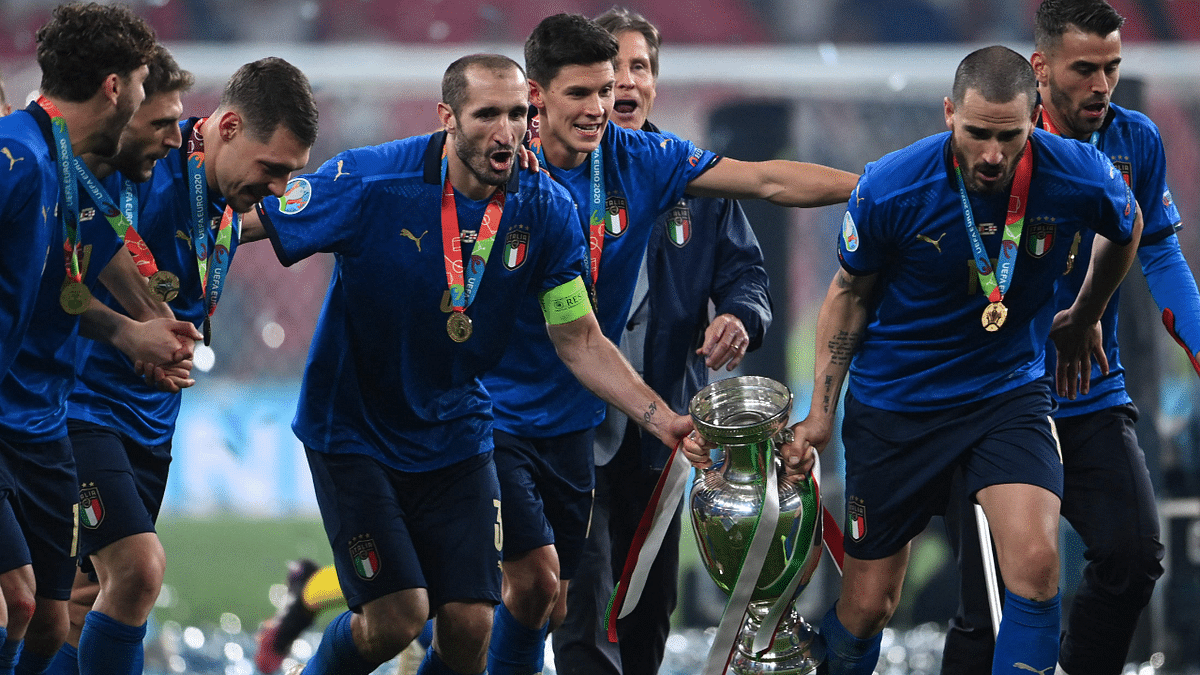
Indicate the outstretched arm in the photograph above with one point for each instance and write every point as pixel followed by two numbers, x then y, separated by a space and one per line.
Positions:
pixel 122 278
pixel 840 326
pixel 600 367
pixel 778 181
pixel 1174 290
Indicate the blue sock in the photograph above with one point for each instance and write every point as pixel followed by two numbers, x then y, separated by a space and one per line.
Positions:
pixel 426 637
pixel 108 646
pixel 844 653
pixel 337 653
pixel 515 649
pixel 29 663
pixel 434 665
pixel 66 661
pixel 8 652
pixel 1028 635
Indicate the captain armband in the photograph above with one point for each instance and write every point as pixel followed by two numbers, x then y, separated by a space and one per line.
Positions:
pixel 565 303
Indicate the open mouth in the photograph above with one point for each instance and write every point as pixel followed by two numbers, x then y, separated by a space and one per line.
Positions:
pixel 1095 109
pixel 625 106
pixel 501 160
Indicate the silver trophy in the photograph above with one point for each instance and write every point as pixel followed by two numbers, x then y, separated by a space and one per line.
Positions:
pixel 746 417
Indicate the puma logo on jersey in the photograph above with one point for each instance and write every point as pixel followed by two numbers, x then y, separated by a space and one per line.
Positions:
pixel 416 240
pixel 1022 666
pixel 937 243
pixel 341 173
pixel 857 196
pixel 180 234
pixel 11 160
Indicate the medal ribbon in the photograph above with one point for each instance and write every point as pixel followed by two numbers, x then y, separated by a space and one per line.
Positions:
pixel 213 264
pixel 596 220
pixel 1094 139
pixel 123 219
pixel 69 196
pixel 461 294
pixel 995 283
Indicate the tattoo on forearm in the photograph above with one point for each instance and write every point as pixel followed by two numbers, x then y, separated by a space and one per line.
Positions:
pixel 649 414
pixel 828 394
pixel 842 346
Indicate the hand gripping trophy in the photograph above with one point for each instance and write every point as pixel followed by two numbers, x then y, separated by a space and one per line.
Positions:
pixel 759 535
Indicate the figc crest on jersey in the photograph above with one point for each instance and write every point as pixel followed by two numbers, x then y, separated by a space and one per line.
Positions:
pixel 856 518
pixel 364 556
pixel 1040 239
pixel 516 247
pixel 91 509
pixel 679 224
pixel 296 197
pixel 615 218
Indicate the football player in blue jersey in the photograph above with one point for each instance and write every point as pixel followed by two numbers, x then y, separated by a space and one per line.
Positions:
pixel 622 181
pixel 395 420
pixel 93 60
pixel 940 315
pixel 702 249
pixel 120 426
pixel 1107 494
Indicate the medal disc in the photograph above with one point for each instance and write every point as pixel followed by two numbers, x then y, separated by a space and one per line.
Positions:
pixel 74 298
pixel 207 331
pixel 994 316
pixel 164 285
pixel 458 326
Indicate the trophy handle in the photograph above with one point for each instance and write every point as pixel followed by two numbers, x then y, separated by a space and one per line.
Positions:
pixel 784 437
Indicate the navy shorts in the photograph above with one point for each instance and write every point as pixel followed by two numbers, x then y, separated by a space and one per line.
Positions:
pixel 899 464
pixel 38 520
pixel 547 485
pixel 121 485
pixel 394 530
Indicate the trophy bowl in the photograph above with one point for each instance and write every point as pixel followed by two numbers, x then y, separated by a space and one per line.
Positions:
pixel 745 416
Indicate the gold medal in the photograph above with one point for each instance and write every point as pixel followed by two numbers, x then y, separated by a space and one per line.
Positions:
pixel 458 326
pixel 75 298
pixel 994 316
pixel 164 285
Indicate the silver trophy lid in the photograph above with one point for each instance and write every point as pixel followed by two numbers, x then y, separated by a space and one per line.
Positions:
pixel 741 409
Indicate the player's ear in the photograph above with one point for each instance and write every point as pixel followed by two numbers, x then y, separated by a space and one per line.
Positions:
pixel 1037 112
pixel 1038 61
pixel 948 109
pixel 228 125
pixel 446 117
pixel 535 95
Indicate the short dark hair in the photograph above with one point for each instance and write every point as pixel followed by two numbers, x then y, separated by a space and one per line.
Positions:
pixel 1054 17
pixel 454 82
pixel 566 40
pixel 998 73
pixel 82 44
pixel 270 92
pixel 165 74
pixel 619 19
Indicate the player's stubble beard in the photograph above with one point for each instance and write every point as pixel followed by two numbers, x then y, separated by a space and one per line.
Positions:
pixel 968 170
pixel 477 162
pixel 1065 106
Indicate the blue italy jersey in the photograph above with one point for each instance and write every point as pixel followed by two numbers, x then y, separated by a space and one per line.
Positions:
pixel 107 390
pixel 28 220
pixel 33 395
pixel 924 347
pixel 645 173
pixel 1132 143
pixel 383 377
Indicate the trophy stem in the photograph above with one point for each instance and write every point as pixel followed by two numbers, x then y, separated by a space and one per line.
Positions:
pixel 794 651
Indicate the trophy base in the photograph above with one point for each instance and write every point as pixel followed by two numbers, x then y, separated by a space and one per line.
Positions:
pixel 797 650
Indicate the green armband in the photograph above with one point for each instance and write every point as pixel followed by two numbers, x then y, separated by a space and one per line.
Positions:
pixel 565 303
